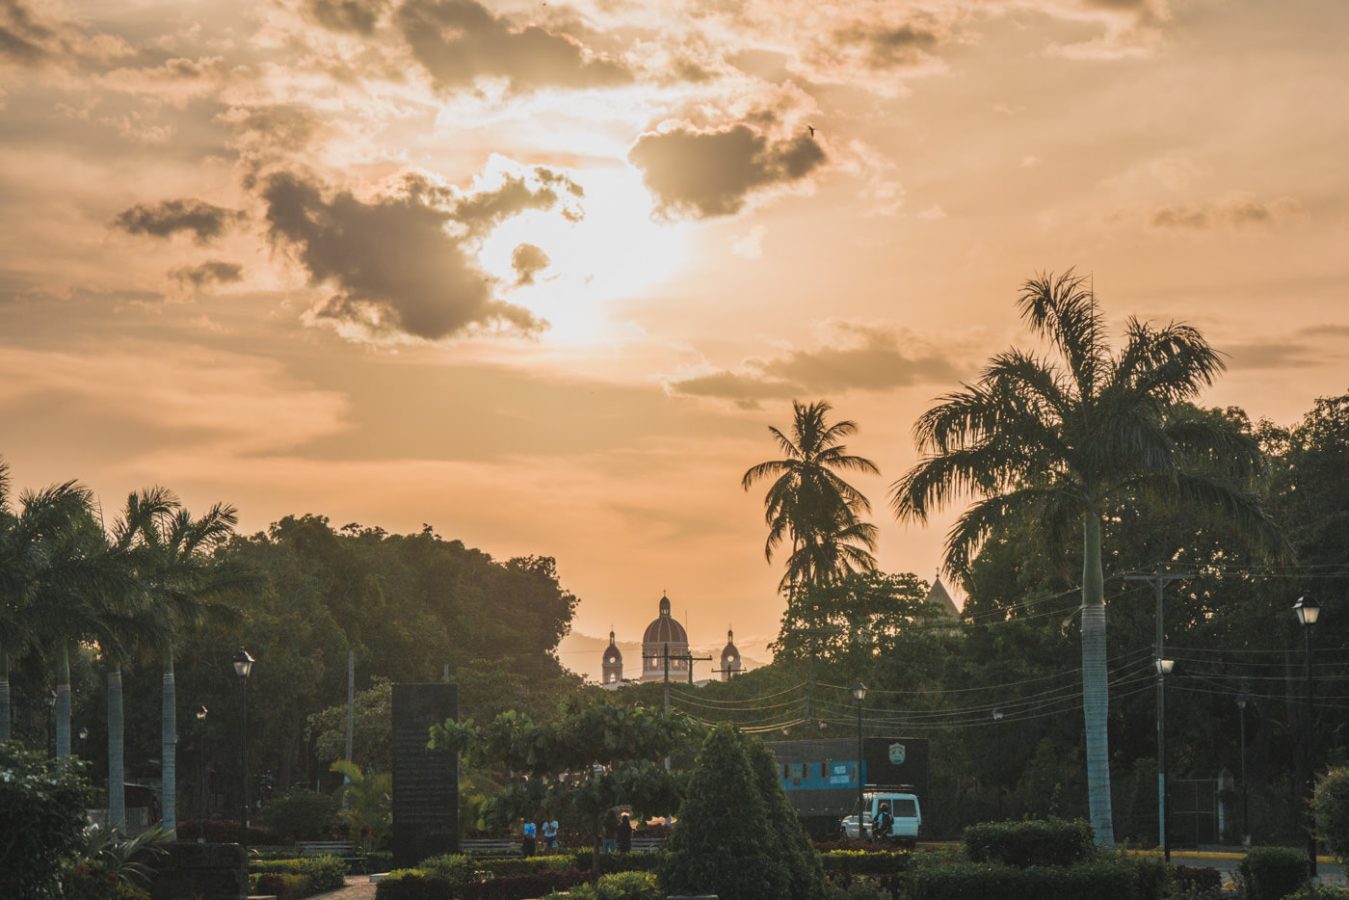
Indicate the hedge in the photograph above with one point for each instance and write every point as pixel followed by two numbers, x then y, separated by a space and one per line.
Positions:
pixel 91 882
pixel 529 865
pixel 1271 873
pixel 328 873
pixel 1321 893
pixel 413 884
pixel 284 885
pixel 1196 879
pixel 1033 842
pixel 868 862
pixel 1113 879
pixel 1331 805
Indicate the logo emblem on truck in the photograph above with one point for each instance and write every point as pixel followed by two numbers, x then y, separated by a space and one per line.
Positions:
pixel 897 754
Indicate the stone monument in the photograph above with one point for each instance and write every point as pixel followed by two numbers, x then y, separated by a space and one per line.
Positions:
pixel 425 782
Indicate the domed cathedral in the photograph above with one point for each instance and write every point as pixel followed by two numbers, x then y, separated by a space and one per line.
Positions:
pixel 665 636
pixel 612 666
pixel 731 663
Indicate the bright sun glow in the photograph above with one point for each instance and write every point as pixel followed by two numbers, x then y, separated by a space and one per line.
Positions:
pixel 614 252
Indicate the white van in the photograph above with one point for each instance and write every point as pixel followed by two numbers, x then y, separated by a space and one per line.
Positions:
pixel 904 810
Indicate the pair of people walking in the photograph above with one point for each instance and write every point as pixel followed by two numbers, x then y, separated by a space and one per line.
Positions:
pixel 617 833
pixel 530 833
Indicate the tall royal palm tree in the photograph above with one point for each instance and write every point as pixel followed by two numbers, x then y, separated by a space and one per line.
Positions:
pixel 809 504
pixel 1063 439
pixel 184 582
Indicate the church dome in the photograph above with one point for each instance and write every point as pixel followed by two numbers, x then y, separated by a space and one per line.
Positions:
pixel 664 629
pixel 730 656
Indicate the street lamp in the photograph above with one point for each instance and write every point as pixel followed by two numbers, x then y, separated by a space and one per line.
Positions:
pixel 1242 700
pixel 859 693
pixel 243 664
pixel 1307 613
pixel 1164 667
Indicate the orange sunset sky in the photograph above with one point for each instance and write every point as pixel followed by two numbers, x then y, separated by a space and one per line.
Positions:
pixel 541 274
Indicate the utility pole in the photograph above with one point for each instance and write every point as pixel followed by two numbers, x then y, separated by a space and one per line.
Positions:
pixel 1159 580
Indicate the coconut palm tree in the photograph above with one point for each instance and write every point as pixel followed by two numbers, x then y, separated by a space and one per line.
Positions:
pixel 184 583
pixel 809 504
pixel 1063 439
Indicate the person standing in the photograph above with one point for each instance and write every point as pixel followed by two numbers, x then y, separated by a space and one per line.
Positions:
pixel 530 832
pixel 884 824
pixel 550 835
pixel 624 834
pixel 611 831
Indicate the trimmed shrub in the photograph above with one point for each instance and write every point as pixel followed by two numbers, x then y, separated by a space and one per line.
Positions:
pixel 859 889
pixel 532 865
pixel 285 885
pixel 414 884
pixel 629 886
pixel 91 882
pixel 1270 873
pixel 722 844
pixel 301 815
pixel 1196 880
pixel 1150 875
pixel 805 876
pixel 868 862
pixel 1087 881
pixel 1321 893
pixel 42 819
pixel 1331 805
pixel 456 868
pixel 328 873
pixel 1033 842
pixel 625 862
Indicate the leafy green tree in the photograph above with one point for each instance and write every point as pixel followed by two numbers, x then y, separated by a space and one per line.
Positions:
pixel 859 615
pixel 371 733
pixel 594 756
pixel 367 805
pixel 810 505
pixel 42 806
pixel 1060 442
pixel 724 843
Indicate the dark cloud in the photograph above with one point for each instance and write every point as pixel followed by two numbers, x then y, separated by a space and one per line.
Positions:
pixel 711 173
pixel 358 16
pixel 460 41
pixel 23 39
pixel 1230 214
pixel 483 211
pixel 528 260
pixel 204 220
pixel 890 48
pixel 867 358
pixel 213 271
pixel 402 263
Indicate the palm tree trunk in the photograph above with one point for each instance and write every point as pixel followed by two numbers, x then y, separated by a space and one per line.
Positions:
pixel 1095 684
pixel 63 703
pixel 116 777
pixel 169 749
pixel 4 695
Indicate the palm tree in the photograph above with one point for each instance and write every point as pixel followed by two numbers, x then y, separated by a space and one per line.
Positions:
pixel 28 541
pixel 810 505
pixel 1062 441
pixel 183 581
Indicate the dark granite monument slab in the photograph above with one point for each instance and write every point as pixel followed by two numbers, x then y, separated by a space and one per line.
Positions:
pixel 425 782
pixel 206 871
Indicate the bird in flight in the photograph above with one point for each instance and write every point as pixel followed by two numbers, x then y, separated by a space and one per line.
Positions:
pixel 812 130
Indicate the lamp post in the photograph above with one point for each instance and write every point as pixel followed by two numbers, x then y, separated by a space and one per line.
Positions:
pixel 859 693
pixel 1164 667
pixel 1307 613
pixel 243 664
pixel 1242 700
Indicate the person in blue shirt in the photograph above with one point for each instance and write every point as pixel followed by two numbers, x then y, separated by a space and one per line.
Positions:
pixel 550 834
pixel 530 832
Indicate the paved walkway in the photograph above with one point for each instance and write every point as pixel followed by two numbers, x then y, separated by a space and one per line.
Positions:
pixel 359 887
